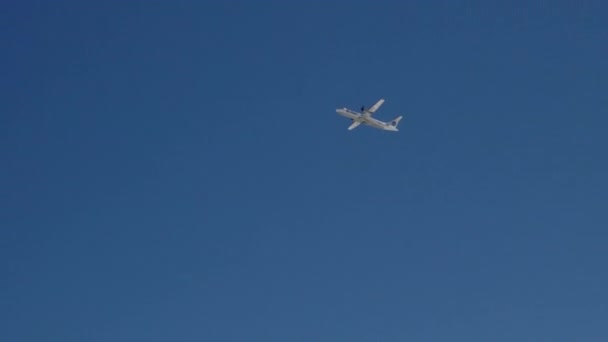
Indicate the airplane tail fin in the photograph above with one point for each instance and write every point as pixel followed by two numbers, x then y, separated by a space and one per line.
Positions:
pixel 396 120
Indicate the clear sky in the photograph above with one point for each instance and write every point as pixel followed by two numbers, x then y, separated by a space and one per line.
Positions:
pixel 176 171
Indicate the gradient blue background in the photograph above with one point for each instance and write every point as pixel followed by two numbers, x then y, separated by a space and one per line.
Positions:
pixel 176 171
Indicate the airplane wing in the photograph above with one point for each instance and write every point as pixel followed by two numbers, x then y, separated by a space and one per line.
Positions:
pixel 375 107
pixel 354 125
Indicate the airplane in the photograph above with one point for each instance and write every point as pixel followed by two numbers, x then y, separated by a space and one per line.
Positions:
pixel 365 117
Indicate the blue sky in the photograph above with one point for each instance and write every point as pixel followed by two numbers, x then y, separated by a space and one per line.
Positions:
pixel 176 171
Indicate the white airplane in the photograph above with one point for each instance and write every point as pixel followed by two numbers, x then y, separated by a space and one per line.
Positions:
pixel 365 117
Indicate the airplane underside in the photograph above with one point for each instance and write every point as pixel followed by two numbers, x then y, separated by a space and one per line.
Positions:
pixel 366 118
